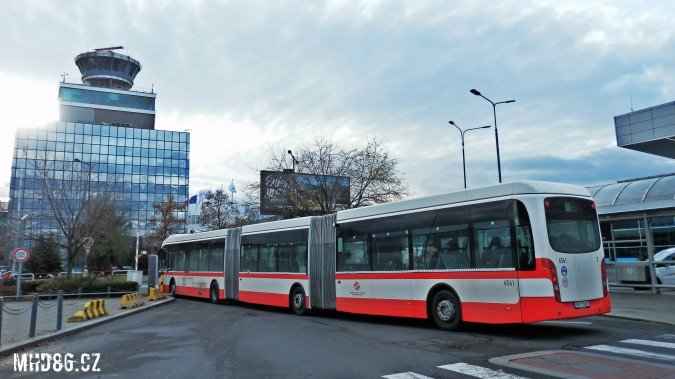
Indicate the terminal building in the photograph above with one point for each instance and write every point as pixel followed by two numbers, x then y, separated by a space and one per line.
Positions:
pixel 105 135
pixel 637 216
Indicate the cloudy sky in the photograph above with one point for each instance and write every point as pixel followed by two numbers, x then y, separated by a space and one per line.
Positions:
pixel 243 76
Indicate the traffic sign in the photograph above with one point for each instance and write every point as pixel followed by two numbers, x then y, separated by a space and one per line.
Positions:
pixel 20 254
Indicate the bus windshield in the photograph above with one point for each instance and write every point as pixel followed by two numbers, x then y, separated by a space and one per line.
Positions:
pixel 572 225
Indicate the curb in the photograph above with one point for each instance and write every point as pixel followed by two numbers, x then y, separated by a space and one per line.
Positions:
pixel 94 322
pixel 638 318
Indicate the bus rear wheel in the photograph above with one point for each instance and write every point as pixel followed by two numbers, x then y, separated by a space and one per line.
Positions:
pixel 446 310
pixel 298 301
pixel 213 293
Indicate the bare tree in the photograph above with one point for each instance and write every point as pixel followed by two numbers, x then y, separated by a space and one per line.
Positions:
pixel 165 222
pixel 375 178
pixel 218 211
pixel 372 174
pixel 79 202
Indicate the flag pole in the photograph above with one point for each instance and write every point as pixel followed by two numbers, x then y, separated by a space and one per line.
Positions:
pixel 232 189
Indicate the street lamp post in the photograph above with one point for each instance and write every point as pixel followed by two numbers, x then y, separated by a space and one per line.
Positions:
pixel 138 237
pixel 461 132
pixel 494 112
pixel 293 159
pixel 88 241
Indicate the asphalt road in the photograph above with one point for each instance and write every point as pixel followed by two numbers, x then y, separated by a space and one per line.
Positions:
pixel 196 339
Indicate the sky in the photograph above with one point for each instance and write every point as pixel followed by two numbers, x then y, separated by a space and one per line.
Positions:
pixel 245 77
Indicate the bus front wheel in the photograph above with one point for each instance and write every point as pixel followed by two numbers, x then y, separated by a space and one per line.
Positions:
pixel 298 301
pixel 446 310
pixel 172 288
pixel 213 293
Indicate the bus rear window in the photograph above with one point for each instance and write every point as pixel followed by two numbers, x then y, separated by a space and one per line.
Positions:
pixel 572 225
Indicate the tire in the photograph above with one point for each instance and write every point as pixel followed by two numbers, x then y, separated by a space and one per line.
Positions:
pixel 172 288
pixel 213 293
pixel 298 301
pixel 446 310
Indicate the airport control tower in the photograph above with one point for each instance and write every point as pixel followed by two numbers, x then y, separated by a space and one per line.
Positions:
pixel 105 68
pixel 105 95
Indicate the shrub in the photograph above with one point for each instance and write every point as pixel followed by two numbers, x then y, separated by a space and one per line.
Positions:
pixel 30 287
pixel 87 284
pixel 27 287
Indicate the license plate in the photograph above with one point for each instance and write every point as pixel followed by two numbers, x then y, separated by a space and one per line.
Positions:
pixel 581 304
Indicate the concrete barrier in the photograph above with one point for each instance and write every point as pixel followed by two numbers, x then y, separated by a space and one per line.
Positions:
pixel 154 293
pixel 130 301
pixel 91 310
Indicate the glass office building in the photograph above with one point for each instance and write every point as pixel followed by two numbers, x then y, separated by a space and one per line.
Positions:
pixel 106 138
pixel 142 166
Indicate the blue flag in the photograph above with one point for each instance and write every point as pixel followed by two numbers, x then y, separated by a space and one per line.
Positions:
pixel 233 189
pixel 193 200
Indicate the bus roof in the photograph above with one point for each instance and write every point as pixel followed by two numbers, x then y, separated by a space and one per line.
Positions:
pixel 293 223
pixel 496 191
pixel 191 237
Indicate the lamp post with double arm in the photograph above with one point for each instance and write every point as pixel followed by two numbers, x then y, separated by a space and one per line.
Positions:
pixel 494 112
pixel 462 132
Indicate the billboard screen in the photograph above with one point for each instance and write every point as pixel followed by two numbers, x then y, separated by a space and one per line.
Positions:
pixel 287 191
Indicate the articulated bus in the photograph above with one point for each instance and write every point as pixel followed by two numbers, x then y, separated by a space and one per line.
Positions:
pixel 512 253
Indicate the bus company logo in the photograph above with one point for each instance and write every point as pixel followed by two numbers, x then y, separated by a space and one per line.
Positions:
pixel 563 270
pixel 356 292
pixel 565 282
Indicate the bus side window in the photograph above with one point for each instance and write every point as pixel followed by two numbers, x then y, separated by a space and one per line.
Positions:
pixel 249 258
pixel 352 254
pixel 299 258
pixel 389 249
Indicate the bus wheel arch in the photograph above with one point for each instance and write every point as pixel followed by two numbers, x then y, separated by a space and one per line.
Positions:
pixel 298 299
pixel 444 307
pixel 214 292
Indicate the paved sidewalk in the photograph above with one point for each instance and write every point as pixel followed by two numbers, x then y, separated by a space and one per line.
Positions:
pixel 643 305
pixel 15 327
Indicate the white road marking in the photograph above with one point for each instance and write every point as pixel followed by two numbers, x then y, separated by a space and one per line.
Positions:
pixel 478 371
pixel 668 336
pixel 667 345
pixel 635 352
pixel 406 375
pixel 567 322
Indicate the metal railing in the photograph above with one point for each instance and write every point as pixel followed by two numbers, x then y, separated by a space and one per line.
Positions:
pixel 38 314
pixel 642 275
pixel 14 328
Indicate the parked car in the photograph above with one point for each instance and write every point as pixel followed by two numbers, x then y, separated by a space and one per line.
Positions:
pixel 76 271
pixel 120 272
pixel 665 273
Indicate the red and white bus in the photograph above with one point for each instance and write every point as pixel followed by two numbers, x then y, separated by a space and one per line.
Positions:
pixel 511 253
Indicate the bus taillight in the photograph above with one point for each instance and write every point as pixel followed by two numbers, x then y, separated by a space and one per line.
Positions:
pixel 547 264
pixel 605 283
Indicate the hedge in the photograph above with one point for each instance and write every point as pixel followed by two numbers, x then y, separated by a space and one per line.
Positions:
pixel 27 287
pixel 87 284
